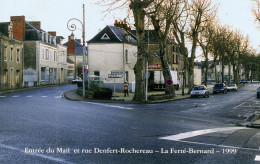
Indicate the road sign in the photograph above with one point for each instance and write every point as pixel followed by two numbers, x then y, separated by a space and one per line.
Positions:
pixel 154 66
pixel 115 72
pixel 169 82
pixel 114 76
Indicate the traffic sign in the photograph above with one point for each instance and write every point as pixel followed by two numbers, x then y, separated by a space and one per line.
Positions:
pixel 114 76
pixel 169 82
pixel 117 72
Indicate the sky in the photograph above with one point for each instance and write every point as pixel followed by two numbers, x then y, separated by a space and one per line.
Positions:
pixel 54 15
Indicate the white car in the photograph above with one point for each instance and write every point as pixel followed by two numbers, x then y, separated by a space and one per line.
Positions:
pixel 78 79
pixel 200 91
pixel 232 87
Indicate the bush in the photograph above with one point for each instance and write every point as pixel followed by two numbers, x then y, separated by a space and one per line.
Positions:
pixel 104 93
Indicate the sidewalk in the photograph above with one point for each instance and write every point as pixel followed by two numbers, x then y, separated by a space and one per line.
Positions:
pixel 119 97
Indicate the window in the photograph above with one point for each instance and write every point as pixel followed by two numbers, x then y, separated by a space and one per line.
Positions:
pixel 173 59
pixel 11 53
pixel 5 77
pixel 18 55
pixel 126 56
pixel 47 54
pixel 55 56
pixel 5 52
pixel 97 73
pixel 105 37
pixel 126 76
pixel 17 77
pixel 42 56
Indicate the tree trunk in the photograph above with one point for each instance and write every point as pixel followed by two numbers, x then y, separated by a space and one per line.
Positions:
pixel 191 63
pixel 223 68
pixel 229 73
pixel 169 90
pixel 215 70
pixel 207 68
pixel 139 17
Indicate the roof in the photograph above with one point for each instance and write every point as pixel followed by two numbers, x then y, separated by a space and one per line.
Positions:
pixel 112 34
pixel 152 37
pixel 70 61
pixel 78 47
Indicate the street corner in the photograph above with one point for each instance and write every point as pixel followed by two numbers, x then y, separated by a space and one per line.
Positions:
pixel 255 121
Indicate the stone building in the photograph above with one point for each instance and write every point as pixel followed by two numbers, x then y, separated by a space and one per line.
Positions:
pixel 45 58
pixel 11 58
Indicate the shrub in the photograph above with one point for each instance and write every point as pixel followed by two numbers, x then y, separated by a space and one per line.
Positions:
pixel 104 93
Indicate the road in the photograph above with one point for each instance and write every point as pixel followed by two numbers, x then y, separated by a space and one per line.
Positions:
pixel 40 126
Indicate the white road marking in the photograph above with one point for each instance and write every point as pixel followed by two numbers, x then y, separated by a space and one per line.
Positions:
pixel 112 106
pixel 36 154
pixel 44 96
pixel 257 158
pixel 2 96
pixel 29 96
pixel 15 96
pixel 181 136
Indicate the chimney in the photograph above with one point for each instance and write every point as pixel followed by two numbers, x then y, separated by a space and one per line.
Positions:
pixel 78 40
pixel 18 27
pixel 36 23
pixel 53 33
pixel 122 24
pixel 71 46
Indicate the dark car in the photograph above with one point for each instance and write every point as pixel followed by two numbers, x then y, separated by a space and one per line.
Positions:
pixel 219 88
pixel 258 93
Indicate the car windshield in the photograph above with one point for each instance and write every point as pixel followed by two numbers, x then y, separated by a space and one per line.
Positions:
pixel 219 85
pixel 231 85
pixel 199 88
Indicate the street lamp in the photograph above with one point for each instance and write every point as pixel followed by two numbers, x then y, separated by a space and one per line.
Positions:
pixel 72 28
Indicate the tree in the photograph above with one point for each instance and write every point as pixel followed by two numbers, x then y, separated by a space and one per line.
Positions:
pixel 201 12
pixel 138 7
pixel 256 10
pixel 161 14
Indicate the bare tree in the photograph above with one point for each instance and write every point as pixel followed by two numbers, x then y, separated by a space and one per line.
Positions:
pixel 201 12
pixel 256 10
pixel 138 8
pixel 161 13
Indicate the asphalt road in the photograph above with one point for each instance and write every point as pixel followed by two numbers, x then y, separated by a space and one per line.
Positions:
pixel 40 126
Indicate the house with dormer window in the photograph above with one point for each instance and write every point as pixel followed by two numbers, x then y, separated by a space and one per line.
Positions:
pixel 11 58
pixel 45 58
pixel 113 49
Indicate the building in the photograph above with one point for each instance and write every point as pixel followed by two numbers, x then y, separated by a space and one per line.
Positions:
pixel 11 58
pixel 113 50
pixel 154 61
pixel 45 58
pixel 75 54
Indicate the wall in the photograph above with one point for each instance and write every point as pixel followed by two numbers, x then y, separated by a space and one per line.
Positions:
pixel 108 57
pixel 11 70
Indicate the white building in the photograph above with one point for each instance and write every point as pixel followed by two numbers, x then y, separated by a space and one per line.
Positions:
pixel 113 49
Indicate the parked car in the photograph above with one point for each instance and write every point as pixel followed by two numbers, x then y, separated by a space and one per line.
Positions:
pixel 200 91
pixel 220 88
pixel 232 87
pixel 258 93
pixel 76 80
pixel 243 81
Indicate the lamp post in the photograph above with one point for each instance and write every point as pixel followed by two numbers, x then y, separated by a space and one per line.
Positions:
pixel 72 27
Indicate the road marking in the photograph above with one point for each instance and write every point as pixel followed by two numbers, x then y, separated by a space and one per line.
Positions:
pixel 111 106
pixel 36 154
pixel 257 158
pixel 15 96
pixel 29 96
pixel 44 96
pixel 2 96
pixel 181 136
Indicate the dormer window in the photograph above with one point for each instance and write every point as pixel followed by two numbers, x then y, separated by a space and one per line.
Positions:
pixel 105 37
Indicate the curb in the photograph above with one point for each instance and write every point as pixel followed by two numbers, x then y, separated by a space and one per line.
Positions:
pixel 120 101
pixel 251 122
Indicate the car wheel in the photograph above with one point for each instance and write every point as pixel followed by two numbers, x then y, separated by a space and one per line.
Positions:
pixel 214 92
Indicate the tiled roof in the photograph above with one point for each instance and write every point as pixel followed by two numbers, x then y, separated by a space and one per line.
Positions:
pixel 78 48
pixel 114 35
